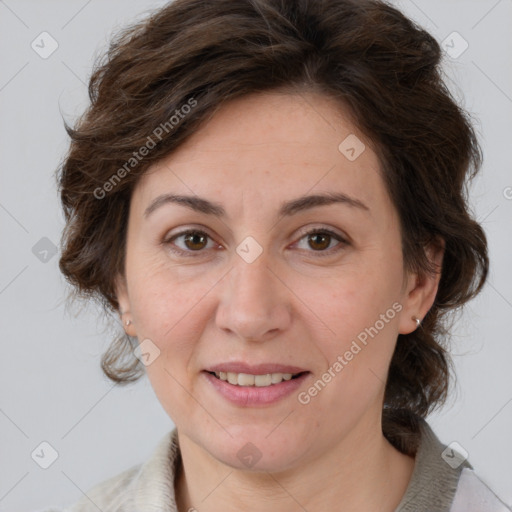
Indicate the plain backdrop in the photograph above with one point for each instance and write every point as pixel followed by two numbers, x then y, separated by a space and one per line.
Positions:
pixel 52 389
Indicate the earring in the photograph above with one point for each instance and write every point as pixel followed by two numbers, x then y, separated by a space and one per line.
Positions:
pixel 417 320
pixel 128 322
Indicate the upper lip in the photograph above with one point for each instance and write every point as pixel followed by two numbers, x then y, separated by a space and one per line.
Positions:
pixel 258 369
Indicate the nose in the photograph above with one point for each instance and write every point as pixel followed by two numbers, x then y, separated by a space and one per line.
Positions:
pixel 255 303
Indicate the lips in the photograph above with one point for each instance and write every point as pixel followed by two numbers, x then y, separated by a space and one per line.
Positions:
pixel 262 395
pixel 253 385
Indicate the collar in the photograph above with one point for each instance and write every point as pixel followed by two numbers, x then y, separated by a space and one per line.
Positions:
pixel 433 482
pixel 150 486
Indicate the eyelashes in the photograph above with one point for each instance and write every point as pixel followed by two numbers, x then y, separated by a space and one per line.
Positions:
pixel 330 235
pixel 190 233
pixel 198 237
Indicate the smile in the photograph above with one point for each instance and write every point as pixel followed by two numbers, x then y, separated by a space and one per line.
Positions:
pixel 247 379
pixel 253 390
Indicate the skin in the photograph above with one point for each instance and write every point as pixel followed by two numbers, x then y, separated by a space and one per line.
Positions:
pixel 290 306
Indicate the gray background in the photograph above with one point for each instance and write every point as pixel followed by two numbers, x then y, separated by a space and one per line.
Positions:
pixel 52 388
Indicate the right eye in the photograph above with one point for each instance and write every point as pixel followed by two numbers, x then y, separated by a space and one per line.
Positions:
pixel 194 240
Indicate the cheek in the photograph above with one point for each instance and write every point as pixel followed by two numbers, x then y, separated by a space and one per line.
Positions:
pixel 351 301
pixel 361 311
pixel 165 294
pixel 172 306
pixel 357 356
pixel 365 330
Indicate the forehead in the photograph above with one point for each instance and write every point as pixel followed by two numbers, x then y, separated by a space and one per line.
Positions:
pixel 270 146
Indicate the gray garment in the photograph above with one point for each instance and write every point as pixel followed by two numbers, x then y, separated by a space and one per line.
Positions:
pixel 433 482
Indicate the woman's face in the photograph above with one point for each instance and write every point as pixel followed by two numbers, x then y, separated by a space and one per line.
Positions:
pixel 252 293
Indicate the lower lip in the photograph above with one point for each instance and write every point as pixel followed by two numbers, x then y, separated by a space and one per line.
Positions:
pixel 252 395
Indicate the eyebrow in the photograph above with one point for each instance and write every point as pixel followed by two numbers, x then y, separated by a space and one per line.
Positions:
pixel 287 209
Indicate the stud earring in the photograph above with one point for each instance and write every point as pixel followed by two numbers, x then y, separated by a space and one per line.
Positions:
pixel 128 322
pixel 417 320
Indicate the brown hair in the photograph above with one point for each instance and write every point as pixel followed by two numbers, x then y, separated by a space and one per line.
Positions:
pixel 363 53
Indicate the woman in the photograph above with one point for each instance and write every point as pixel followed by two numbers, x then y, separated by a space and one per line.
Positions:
pixel 271 196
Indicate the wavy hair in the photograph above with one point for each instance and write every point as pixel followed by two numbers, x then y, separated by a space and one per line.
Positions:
pixel 366 55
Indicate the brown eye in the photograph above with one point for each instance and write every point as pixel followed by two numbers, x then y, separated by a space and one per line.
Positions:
pixel 319 241
pixel 191 241
pixel 195 240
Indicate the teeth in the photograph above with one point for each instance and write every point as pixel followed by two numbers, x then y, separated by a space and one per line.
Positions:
pixel 262 380
pixel 246 379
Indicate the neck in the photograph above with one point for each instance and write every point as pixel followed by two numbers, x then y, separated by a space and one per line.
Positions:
pixel 362 472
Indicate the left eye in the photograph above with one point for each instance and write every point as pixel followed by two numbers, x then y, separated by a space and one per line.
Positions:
pixel 320 239
pixel 195 241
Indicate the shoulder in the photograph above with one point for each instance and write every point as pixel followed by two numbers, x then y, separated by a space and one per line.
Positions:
pixel 444 481
pixel 473 495
pixel 108 492
pixel 147 482
pixel 111 492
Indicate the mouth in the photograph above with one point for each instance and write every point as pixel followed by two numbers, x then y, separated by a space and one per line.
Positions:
pixel 261 385
pixel 240 373
pixel 255 380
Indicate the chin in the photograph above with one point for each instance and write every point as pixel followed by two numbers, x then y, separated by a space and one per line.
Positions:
pixel 258 449
pixel 250 458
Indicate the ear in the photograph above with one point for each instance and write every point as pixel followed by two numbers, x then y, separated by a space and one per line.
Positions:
pixel 124 304
pixel 421 290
